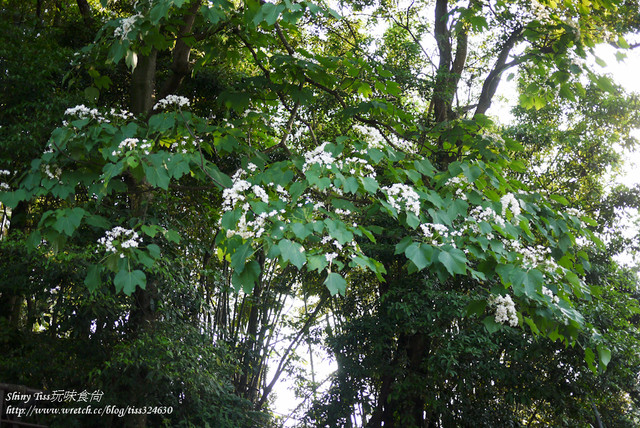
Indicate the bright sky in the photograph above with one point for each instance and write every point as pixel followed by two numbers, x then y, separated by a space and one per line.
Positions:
pixel 625 74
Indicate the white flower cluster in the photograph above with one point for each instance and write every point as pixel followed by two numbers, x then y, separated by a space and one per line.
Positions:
pixel 435 231
pixel 509 201
pixel 171 100
pixel 127 239
pixel 353 162
pixel 181 146
pixel 549 293
pixel 330 257
pixel 254 228
pixel 83 112
pixel 4 186
pixel 540 11
pixel 505 310
pixel 402 193
pixel 318 156
pixel 235 195
pixel 130 144
pixel 480 214
pixel 126 24
pixel 283 193
pixel 122 114
pixel 535 256
pixel 53 175
pixel 458 183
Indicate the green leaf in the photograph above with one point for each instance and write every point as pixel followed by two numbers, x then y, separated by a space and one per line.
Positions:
pixel 590 358
pixel 268 13
pixel 158 11
pixel 302 230
pixel 172 236
pixel 93 281
pixel 375 155
pixel 68 220
pixel 491 325
pixel 12 199
pixel 424 167
pixel 420 255
pixel 156 175
pixel 365 89
pixel 351 185
pixel 91 94
pixel 292 252
pixel 240 256
pixel 454 260
pixel 335 283
pixel 472 172
pixel 111 170
pixel 605 355
pixel 370 185
pixel 317 262
pixel 476 307
pixel 154 251
pixel 127 281
pixel 151 230
pixel 605 84
pixel 248 278
pixel 624 45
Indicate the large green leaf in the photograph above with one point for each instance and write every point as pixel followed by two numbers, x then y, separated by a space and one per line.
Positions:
pixel 453 260
pixel 93 281
pixel 419 254
pixel 292 252
pixel 127 281
pixel 335 283
pixel 68 220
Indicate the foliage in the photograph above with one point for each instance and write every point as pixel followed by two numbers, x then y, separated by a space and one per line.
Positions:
pixel 299 161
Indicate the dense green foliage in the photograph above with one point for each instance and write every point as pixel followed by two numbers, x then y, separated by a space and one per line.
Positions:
pixel 232 159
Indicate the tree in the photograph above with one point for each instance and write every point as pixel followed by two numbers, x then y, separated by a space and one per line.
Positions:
pixel 291 167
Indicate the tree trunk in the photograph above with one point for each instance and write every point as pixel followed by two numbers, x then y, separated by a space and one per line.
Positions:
pixel 85 11
pixel 143 82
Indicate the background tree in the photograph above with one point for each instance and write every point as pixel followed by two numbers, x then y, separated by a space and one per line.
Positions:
pixel 272 153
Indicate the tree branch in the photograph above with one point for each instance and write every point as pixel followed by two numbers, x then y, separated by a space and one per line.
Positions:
pixel 180 67
pixel 493 79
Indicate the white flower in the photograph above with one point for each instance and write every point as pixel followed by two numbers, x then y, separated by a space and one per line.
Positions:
pixel 397 193
pixel 260 193
pixel 53 175
pixel 509 201
pixel 234 194
pixel 317 156
pixel 130 144
pixel 505 310
pixel 125 26
pixel 330 257
pixel 172 99
pixel 127 239
pixel 434 230
pixel 84 112
pixel 549 293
